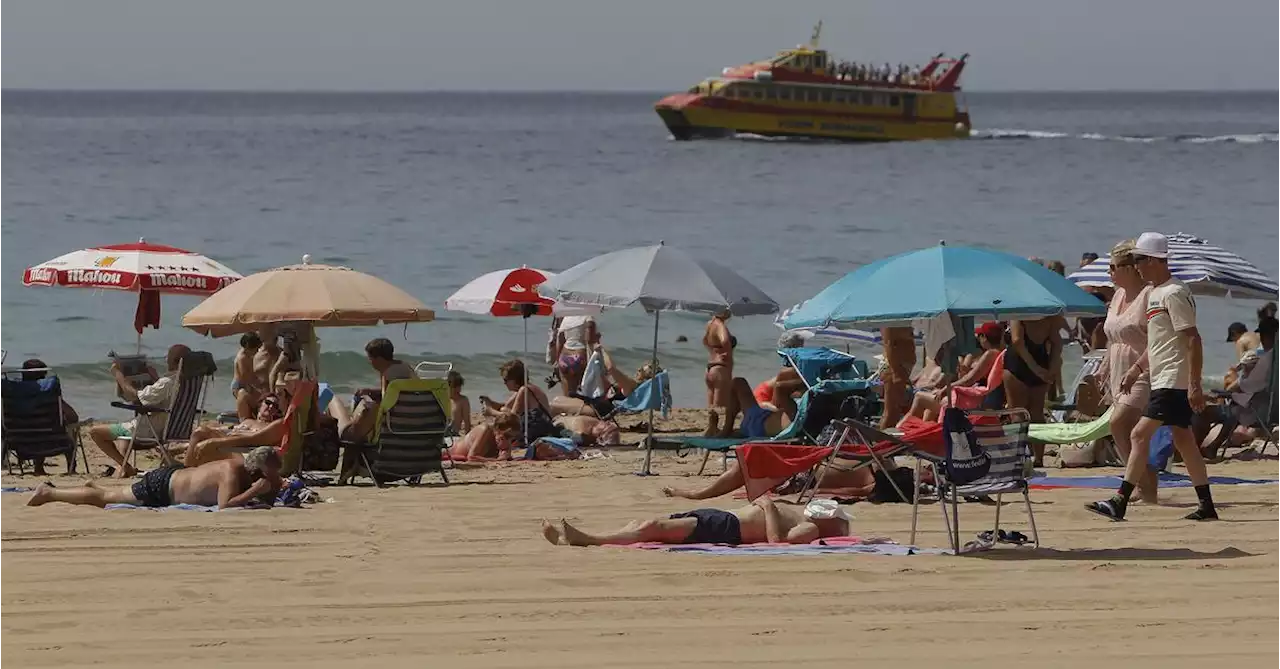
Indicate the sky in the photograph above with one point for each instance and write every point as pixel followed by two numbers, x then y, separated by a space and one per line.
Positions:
pixel 642 45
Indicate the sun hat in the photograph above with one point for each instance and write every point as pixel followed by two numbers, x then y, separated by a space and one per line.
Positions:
pixel 825 509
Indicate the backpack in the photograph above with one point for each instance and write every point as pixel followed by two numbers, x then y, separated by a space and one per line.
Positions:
pixel 967 461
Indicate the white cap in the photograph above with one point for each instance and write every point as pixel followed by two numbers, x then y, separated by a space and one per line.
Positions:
pixel 826 509
pixel 1152 245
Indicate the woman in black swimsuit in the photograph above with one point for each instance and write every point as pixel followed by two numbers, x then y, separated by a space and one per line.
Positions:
pixel 527 401
pixel 1032 360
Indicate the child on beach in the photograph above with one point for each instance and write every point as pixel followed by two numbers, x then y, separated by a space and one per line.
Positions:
pixel 246 386
pixel 459 404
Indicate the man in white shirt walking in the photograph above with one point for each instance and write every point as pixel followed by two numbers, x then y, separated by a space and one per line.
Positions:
pixel 1174 360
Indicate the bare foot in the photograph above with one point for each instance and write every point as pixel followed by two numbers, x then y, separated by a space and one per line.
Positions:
pixel 41 496
pixel 574 536
pixel 550 532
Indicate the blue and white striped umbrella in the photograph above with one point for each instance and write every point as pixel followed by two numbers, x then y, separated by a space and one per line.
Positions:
pixel 1205 268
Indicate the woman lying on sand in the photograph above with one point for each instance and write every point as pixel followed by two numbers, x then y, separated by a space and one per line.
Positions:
pixel 493 442
pixel 761 521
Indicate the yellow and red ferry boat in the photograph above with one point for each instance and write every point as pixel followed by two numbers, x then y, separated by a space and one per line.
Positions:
pixel 804 92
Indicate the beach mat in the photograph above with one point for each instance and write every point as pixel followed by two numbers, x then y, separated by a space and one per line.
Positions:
pixel 174 507
pixel 1167 480
pixel 832 545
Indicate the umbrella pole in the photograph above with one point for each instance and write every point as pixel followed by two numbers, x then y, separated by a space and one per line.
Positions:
pixel 528 393
pixel 648 444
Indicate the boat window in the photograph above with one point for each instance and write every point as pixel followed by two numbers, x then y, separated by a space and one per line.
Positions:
pixel 772 94
pixel 826 96
pixel 784 93
pixel 893 101
pixel 839 98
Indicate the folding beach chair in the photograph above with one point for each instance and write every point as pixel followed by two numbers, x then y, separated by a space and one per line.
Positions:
pixel 816 410
pixel 195 376
pixel 1262 410
pixel 428 369
pixel 1002 440
pixel 33 425
pixel 409 435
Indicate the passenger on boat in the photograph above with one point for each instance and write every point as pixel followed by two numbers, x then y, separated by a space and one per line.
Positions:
pixel 1032 360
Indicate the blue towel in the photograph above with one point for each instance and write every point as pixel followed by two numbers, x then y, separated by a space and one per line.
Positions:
pixel 1161 449
pixel 646 397
pixel 16 489
pixel 324 394
pixel 175 507
pixel 562 443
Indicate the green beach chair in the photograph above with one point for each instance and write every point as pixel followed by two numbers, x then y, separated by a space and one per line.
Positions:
pixel 408 438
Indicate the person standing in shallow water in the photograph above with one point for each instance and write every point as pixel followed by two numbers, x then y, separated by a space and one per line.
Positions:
pixel 719 343
pixel 1174 360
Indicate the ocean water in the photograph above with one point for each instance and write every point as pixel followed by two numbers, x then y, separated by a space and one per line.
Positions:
pixel 430 190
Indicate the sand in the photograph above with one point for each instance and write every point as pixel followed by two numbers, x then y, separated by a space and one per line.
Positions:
pixel 461 577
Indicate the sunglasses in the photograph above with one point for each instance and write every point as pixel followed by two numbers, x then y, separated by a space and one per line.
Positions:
pixel 1113 267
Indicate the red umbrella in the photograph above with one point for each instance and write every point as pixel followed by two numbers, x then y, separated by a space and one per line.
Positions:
pixel 145 268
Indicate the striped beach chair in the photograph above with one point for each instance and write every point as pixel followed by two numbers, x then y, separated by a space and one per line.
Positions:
pixel 195 376
pixel 1002 436
pixel 409 435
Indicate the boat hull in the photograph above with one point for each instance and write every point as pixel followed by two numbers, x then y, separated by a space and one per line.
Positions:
pixel 690 117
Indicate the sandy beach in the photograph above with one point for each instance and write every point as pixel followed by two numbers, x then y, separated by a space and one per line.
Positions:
pixel 460 576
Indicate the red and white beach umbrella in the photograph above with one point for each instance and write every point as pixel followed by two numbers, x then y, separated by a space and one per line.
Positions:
pixel 505 292
pixel 142 267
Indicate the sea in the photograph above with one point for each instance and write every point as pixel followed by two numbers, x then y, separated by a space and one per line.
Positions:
pixel 429 190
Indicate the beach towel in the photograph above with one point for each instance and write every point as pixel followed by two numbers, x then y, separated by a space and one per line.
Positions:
pixel 925 436
pixel 562 444
pixel 831 545
pixel 1071 433
pixel 172 507
pixel 1167 480
pixel 765 466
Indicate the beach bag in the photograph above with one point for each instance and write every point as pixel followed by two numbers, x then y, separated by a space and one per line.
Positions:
pixel 967 461
pixel 321 447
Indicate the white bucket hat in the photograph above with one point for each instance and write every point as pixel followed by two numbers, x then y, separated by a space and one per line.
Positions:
pixel 826 509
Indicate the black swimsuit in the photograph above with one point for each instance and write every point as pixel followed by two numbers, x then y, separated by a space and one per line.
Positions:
pixel 1015 365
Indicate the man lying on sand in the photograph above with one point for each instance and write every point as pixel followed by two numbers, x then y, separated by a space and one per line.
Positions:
pixel 226 483
pixel 761 521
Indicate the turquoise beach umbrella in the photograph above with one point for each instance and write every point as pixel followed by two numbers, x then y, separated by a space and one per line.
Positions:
pixel 962 281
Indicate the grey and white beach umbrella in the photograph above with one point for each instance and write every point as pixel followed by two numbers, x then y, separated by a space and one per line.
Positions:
pixel 659 278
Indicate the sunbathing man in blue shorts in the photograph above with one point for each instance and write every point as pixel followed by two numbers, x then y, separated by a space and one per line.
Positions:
pixel 764 520
pixel 226 483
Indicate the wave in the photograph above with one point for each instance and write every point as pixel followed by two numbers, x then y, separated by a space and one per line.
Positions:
pixel 1014 133
pixel 345 369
